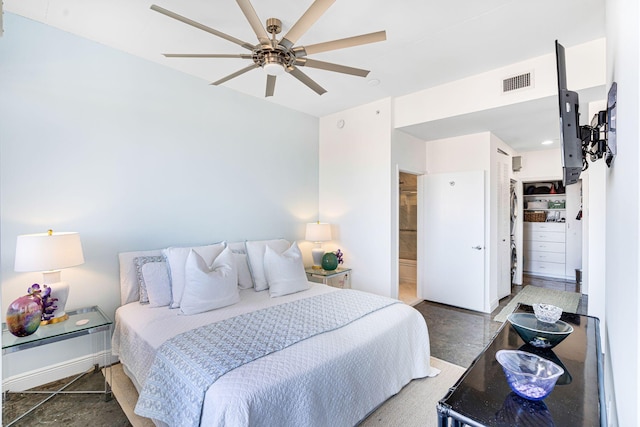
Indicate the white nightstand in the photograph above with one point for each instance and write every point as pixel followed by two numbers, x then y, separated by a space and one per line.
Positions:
pixel 338 278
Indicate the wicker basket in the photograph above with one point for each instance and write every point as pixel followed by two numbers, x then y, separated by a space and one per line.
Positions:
pixel 535 216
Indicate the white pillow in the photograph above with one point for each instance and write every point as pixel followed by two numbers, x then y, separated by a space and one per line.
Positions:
pixel 285 271
pixel 177 257
pixel 158 286
pixel 140 262
pixel 244 275
pixel 129 288
pixel 237 247
pixel 255 256
pixel 207 288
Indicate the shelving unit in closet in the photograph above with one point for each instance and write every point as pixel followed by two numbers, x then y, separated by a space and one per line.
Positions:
pixel 544 228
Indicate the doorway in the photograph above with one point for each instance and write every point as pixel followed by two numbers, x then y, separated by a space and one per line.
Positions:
pixel 452 261
pixel 408 238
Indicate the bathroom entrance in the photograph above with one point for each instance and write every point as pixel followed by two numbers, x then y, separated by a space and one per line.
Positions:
pixel 408 238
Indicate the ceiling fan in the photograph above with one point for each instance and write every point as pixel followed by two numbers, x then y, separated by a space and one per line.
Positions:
pixel 278 57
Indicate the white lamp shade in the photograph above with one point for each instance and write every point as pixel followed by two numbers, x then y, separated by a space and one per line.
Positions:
pixel 48 251
pixel 318 232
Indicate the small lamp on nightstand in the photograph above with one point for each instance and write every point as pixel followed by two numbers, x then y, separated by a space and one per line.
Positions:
pixel 318 232
pixel 50 252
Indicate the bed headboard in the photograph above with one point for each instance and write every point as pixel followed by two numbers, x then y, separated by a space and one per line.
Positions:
pixel 129 288
pixel 129 281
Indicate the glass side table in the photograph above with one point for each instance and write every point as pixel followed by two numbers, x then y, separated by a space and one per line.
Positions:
pixel 74 327
pixel 338 278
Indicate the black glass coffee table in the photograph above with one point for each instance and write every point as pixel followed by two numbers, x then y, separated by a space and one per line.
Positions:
pixel 482 397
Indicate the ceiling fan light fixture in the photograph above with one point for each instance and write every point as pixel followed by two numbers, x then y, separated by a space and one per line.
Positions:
pixel 278 57
pixel 273 69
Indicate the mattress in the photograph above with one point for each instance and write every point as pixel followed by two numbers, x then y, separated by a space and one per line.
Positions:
pixel 335 378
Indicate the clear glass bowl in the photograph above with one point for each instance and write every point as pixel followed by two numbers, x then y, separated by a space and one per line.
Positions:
pixel 547 313
pixel 529 376
pixel 539 334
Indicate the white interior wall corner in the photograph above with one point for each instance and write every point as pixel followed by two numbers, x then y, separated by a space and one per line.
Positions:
pixel 355 190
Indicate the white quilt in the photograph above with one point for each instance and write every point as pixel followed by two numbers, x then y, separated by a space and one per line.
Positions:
pixel 335 378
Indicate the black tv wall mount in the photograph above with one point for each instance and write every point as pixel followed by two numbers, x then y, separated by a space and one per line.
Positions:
pixel 598 138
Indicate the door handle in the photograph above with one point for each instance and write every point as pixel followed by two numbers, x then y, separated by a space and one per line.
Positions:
pixel 477 248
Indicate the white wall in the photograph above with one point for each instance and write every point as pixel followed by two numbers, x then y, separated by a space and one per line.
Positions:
pixel 135 156
pixel 623 213
pixel 459 154
pixel 355 191
pixel 595 212
pixel 585 69
pixel 408 152
pixel 540 165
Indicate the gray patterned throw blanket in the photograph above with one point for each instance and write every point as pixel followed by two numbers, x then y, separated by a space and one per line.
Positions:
pixel 189 363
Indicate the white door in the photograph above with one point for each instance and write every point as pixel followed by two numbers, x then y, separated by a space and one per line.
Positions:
pixel 452 247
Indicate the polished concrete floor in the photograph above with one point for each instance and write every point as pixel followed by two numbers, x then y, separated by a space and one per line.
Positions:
pixel 456 335
pixel 68 410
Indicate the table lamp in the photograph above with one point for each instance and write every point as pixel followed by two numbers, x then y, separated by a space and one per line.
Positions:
pixel 50 252
pixel 318 232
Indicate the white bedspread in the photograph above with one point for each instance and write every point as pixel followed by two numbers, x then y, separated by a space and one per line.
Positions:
pixel 335 378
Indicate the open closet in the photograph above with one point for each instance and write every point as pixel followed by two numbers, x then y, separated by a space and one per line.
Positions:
pixel 552 229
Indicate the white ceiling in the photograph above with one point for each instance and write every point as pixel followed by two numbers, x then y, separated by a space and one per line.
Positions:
pixel 429 42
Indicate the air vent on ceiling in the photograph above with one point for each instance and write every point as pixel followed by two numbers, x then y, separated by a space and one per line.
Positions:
pixel 517 82
pixel 516 163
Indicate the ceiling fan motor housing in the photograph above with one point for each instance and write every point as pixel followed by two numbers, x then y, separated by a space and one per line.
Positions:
pixel 273 55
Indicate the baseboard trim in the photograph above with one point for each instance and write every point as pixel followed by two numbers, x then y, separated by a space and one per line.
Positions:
pixel 47 374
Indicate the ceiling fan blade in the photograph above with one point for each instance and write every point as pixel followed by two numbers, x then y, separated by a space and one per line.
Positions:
pixel 315 11
pixel 254 21
pixel 207 55
pixel 341 43
pixel 295 72
pixel 236 74
pixel 312 63
pixel 271 85
pixel 201 26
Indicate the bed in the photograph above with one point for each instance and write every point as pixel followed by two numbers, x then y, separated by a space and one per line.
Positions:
pixel 336 377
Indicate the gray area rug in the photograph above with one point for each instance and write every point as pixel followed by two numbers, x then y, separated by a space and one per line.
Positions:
pixel 567 301
pixel 414 405
pixel 126 394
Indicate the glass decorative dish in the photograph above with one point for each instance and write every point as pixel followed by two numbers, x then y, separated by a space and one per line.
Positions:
pixel 547 313
pixel 529 376
pixel 537 333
